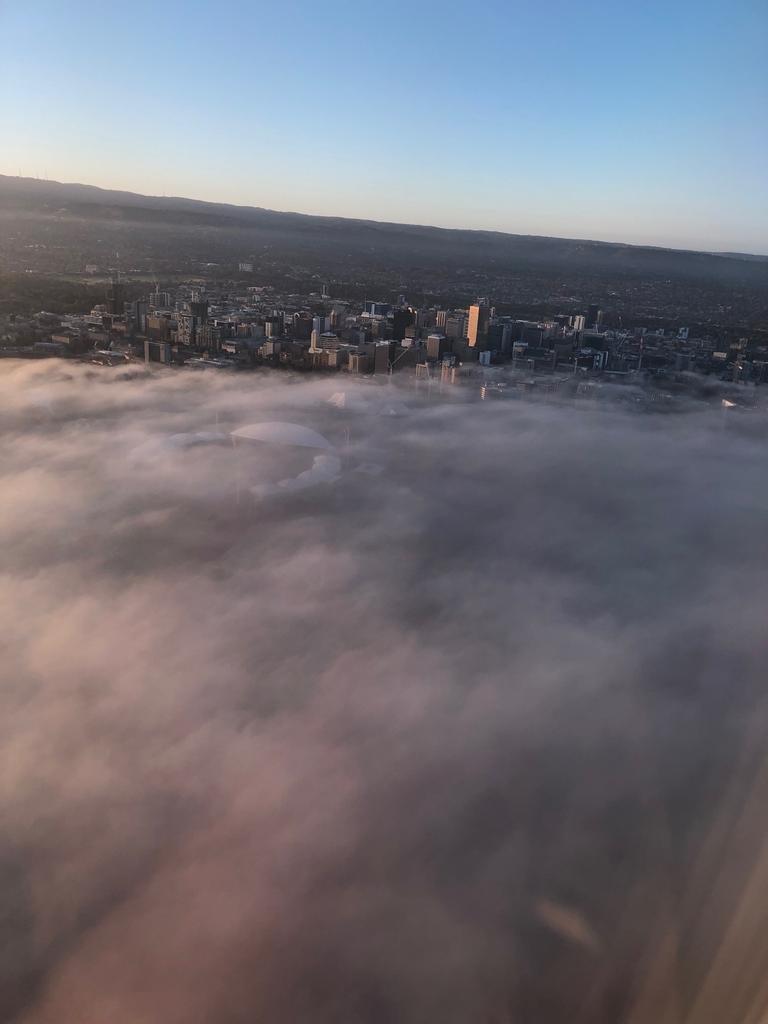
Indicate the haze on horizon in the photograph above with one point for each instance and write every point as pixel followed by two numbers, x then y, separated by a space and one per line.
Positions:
pixel 642 124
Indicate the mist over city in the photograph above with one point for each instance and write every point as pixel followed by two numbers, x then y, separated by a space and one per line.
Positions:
pixel 461 734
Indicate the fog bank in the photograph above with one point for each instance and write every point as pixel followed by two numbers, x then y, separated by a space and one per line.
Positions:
pixel 472 730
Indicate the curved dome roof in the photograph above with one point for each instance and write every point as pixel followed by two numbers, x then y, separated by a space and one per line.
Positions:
pixel 275 432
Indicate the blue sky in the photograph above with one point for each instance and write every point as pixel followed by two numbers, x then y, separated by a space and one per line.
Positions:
pixel 643 122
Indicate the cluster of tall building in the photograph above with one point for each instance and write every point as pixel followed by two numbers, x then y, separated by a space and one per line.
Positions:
pixel 237 325
pixel 372 337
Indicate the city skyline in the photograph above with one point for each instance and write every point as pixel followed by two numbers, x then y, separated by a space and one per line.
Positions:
pixel 640 126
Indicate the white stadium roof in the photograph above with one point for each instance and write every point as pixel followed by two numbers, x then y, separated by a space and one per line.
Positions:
pixel 283 433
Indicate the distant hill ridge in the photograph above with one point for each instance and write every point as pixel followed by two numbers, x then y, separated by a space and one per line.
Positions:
pixel 399 243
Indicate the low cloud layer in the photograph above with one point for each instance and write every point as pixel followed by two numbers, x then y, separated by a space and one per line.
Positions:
pixel 472 733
